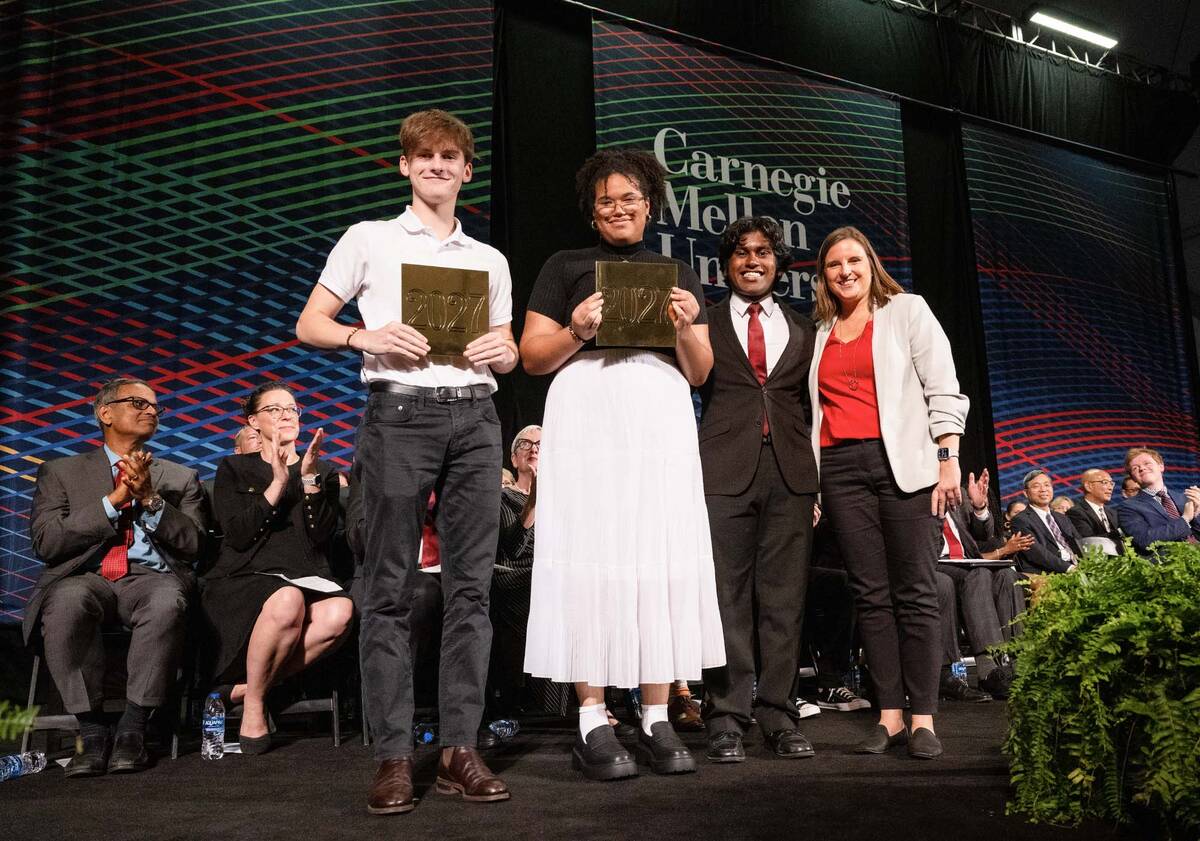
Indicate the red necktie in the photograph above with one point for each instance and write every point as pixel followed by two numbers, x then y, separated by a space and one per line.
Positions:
pixel 756 350
pixel 115 563
pixel 953 544
pixel 1172 510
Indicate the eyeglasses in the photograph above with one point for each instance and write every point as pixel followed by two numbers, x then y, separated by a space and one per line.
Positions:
pixel 524 445
pixel 1108 482
pixel 276 411
pixel 628 204
pixel 140 404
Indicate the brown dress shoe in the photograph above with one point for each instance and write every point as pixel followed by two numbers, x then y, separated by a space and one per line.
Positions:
pixel 684 713
pixel 466 774
pixel 392 791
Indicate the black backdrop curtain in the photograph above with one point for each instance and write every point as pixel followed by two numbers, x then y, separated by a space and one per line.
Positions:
pixel 545 127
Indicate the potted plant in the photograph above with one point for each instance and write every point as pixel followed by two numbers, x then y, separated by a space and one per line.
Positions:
pixel 1104 713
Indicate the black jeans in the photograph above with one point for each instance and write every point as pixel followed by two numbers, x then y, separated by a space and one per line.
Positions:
pixel 888 540
pixel 408 447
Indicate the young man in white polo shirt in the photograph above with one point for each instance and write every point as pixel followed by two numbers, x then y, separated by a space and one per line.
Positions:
pixel 429 425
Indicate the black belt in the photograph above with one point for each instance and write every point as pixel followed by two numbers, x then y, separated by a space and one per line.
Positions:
pixel 439 394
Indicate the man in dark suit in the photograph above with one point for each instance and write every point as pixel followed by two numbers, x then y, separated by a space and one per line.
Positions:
pixel 118 531
pixel 1156 513
pixel 1056 543
pixel 989 596
pixel 760 482
pixel 1093 516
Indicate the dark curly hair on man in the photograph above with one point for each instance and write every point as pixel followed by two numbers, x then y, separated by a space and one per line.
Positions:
pixel 765 225
pixel 642 168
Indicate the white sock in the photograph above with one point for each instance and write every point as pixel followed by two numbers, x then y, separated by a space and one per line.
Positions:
pixel 591 717
pixel 652 713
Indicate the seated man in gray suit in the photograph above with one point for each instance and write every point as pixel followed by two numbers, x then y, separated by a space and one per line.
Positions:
pixel 1093 516
pixel 118 531
pixel 1055 541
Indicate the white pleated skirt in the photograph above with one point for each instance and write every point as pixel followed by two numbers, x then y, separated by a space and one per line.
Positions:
pixel 623 584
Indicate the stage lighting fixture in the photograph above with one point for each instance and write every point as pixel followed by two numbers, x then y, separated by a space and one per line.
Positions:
pixel 1070 25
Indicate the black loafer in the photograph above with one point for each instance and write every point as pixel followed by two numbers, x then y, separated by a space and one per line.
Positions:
pixel 957 689
pixel 601 756
pixel 90 758
pixel 880 742
pixel 998 682
pixel 725 746
pixel 924 744
pixel 789 744
pixel 129 753
pixel 666 753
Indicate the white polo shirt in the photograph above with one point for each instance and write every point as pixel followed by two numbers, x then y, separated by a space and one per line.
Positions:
pixel 365 265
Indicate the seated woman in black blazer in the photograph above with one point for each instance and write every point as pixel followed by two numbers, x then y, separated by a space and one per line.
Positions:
pixel 270 600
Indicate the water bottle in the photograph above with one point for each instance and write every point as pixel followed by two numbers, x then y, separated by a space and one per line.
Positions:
pixel 635 703
pixel 425 733
pixel 958 670
pixel 505 728
pixel 212 728
pixel 20 764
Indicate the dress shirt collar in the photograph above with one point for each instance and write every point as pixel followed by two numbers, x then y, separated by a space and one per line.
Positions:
pixel 1099 509
pixel 113 458
pixel 740 305
pixel 411 222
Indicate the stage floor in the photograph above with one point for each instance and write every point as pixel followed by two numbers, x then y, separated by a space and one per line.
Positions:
pixel 306 790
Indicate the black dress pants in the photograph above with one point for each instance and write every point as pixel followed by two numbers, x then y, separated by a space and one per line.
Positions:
pixel 761 541
pixel 888 540
pixel 407 447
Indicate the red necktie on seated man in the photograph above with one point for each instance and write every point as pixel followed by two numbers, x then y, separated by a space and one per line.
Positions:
pixel 115 564
pixel 1172 510
pixel 756 352
pixel 954 546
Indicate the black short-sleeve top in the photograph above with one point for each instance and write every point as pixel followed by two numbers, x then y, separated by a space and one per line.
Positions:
pixel 570 276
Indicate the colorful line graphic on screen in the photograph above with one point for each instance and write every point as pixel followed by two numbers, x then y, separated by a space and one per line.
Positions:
pixel 174 178
pixel 739 138
pixel 1086 343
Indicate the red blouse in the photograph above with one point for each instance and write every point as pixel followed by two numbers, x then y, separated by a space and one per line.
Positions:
pixel 846 385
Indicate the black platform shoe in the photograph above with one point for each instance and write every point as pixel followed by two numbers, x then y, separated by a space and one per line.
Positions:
pixel 601 756
pixel 667 754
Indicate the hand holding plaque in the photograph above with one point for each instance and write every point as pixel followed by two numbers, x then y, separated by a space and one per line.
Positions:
pixel 636 301
pixel 449 307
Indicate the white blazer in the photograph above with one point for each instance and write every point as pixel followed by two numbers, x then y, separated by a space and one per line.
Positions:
pixel 915 384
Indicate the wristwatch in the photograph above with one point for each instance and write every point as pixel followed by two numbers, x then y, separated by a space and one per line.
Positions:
pixel 153 504
pixel 310 481
pixel 945 454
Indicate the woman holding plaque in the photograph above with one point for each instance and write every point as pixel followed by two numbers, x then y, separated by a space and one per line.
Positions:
pixel 623 591
pixel 887 419
pixel 271 605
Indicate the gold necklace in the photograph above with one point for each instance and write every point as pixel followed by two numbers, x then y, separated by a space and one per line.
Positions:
pixel 852 376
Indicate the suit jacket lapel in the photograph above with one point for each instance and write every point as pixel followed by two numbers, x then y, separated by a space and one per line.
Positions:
pixel 97 477
pixel 723 316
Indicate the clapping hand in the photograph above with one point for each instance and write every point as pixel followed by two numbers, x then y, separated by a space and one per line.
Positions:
pixel 308 465
pixel 977 490
pixel 135 473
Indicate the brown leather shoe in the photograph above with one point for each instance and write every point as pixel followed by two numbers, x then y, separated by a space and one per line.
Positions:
pixel 392 791
pixel 466 774
pixel 684 713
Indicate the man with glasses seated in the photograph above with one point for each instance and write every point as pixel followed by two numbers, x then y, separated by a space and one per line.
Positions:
pixel 118 531
pixel 1093 516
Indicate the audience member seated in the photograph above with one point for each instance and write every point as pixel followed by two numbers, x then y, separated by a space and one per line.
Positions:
pixel 247 441
pixel 1061 504
pixel 1156 513
pixel 987 595
pixel 1011 510
pixel 828 630
pixel 507 480
pixel 118 531
pixel 1055 542
pixel 1129 487
pixel 270 601
pixel 1093 516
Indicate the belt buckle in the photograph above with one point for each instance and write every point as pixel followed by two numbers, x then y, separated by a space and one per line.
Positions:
pixel 445 394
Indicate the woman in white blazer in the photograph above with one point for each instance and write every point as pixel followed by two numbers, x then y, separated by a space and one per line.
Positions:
pixel 887 416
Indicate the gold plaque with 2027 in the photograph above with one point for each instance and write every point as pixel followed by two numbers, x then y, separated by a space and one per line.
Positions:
pixel 448 306
pixel 636 297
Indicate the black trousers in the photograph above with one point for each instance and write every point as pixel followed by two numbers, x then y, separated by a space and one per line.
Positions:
pixel 408 447
pixel 829 624
pixel 761 546
pixel 888 540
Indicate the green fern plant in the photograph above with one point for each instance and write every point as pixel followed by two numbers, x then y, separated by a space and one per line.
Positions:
pixel 14 721
pixel 1104 714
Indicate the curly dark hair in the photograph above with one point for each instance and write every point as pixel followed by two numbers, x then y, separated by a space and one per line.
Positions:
pixel 254 398
pixel 640 167
pixel 731 237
